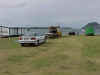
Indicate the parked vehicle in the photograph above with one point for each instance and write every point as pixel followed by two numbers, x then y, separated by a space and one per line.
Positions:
pixel 54 32
pixel 72 33
pixel 32 39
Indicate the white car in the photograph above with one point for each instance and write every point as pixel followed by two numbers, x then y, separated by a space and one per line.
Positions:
pixel 32 39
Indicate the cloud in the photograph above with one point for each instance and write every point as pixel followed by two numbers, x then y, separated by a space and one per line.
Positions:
pixel 74 13
pixel 13 3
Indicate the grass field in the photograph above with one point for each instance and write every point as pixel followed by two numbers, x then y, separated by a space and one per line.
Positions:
pixel 70 55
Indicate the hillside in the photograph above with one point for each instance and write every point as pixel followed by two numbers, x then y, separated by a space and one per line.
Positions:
pixel 95 25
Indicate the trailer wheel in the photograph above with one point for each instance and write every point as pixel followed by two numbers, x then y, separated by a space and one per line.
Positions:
pixel 22 45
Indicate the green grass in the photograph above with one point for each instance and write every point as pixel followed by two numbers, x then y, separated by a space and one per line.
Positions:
pixel 69 55
pixel 91 46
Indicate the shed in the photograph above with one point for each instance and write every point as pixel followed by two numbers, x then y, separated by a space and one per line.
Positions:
pixel 13 31
pixel 89 31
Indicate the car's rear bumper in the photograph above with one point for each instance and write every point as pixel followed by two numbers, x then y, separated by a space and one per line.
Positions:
pixel 21 42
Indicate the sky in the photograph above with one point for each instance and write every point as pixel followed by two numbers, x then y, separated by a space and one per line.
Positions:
pixel 68 13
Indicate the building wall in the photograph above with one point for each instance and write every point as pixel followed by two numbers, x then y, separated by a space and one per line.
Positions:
pixel 13 31
pixel 17 31
pixel 4 31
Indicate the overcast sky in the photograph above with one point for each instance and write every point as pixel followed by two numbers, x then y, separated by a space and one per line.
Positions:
pixel 69 13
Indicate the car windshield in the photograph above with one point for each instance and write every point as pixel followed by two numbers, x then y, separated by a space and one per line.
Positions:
pixel 33 34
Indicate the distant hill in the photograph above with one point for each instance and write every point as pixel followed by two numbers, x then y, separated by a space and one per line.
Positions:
pixel 95 25
pixel 47 27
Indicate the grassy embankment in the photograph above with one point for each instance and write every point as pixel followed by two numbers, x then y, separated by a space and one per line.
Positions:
pixel 77 55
